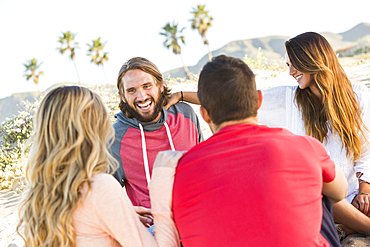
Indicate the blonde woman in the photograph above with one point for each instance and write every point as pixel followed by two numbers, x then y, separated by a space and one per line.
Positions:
pixel 327 106
pixel 70 200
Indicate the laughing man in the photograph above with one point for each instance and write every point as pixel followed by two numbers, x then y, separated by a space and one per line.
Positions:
pixel 144 127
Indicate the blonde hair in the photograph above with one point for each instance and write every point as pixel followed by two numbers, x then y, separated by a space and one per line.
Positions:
pixel 72 132
pixel 311 53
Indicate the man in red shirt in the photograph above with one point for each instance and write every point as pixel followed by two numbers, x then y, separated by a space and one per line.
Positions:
pixel 248 184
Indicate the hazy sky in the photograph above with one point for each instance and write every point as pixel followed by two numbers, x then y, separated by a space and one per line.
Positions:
pixel 30 29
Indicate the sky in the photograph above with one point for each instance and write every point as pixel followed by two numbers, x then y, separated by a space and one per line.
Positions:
pixel 31 29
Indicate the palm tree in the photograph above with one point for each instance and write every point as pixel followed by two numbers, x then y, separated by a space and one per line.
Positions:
pixel 32 67
pixel 202 21
pixel 67 39
pixel 172 41
pixel 97 54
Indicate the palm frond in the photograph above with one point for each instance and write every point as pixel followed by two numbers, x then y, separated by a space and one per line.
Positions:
pixel 171 34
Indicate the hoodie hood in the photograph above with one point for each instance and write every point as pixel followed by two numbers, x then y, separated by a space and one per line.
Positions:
pixel 148 127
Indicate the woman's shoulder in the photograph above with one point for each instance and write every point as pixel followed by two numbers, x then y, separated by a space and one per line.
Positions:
pixel 100 183
pixel 103 179
pixel 361 91
pixel 360 88
pixel 104 187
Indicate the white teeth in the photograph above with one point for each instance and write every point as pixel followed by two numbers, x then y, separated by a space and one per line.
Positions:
pixel 145 104
pixel 298 77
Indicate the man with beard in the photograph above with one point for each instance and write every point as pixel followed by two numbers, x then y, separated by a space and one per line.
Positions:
pixel 144 127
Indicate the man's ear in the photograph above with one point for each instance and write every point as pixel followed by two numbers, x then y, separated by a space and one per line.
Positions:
pixel 122 97
pixel 204 114
pixel 161 87
pixel 260 98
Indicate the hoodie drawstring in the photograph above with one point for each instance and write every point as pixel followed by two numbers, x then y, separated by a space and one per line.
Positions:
pixel 145 155
pixel 169 136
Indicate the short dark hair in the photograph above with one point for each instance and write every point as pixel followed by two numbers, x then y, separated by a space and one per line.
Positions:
pixel 227 90
pixel 147 66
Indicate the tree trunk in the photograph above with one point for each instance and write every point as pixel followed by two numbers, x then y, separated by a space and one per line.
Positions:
pixel 106 81
pixel 187 72
pixel 78 77
pixel 36 81
pixel 209 53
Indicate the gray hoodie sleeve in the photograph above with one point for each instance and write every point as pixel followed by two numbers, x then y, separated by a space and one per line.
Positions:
pixel 120 131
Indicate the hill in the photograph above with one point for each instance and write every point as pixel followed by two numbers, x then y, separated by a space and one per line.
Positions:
pixel 10 106
pixel 272 47
pixel 357 32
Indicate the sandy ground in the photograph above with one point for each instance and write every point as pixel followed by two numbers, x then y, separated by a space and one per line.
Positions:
pixel 10 199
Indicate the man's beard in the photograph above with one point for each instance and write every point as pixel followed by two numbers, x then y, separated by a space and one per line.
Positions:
pixel 158 105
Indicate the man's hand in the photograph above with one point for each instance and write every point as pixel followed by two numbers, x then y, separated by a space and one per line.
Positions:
pixel 145 216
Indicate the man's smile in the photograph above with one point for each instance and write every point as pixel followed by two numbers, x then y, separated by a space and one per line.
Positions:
pixel 145 106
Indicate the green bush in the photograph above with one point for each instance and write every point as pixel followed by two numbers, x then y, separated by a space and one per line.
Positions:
pixel 15 132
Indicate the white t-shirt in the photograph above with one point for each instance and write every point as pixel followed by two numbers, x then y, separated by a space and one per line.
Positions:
pixel 279 109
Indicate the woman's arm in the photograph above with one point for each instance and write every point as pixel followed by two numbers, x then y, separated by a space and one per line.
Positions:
pixel 160 189
pixel 272 111
pixel 116 215
pixel 362 167
pixel 187 96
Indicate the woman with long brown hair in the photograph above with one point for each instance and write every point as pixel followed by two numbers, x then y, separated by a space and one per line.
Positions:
pixel 70 199
pixel 327 106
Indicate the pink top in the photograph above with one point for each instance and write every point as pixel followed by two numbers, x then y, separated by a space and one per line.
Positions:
pixel 106 217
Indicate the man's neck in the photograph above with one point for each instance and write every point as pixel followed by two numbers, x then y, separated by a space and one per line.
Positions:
pixel 159 116
pixel 250 120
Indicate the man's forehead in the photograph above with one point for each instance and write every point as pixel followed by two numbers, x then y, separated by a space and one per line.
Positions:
pixel 136 77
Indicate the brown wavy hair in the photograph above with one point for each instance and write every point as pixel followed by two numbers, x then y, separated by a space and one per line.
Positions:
pixel 339 110
pixel 146 66
pixel 69 145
